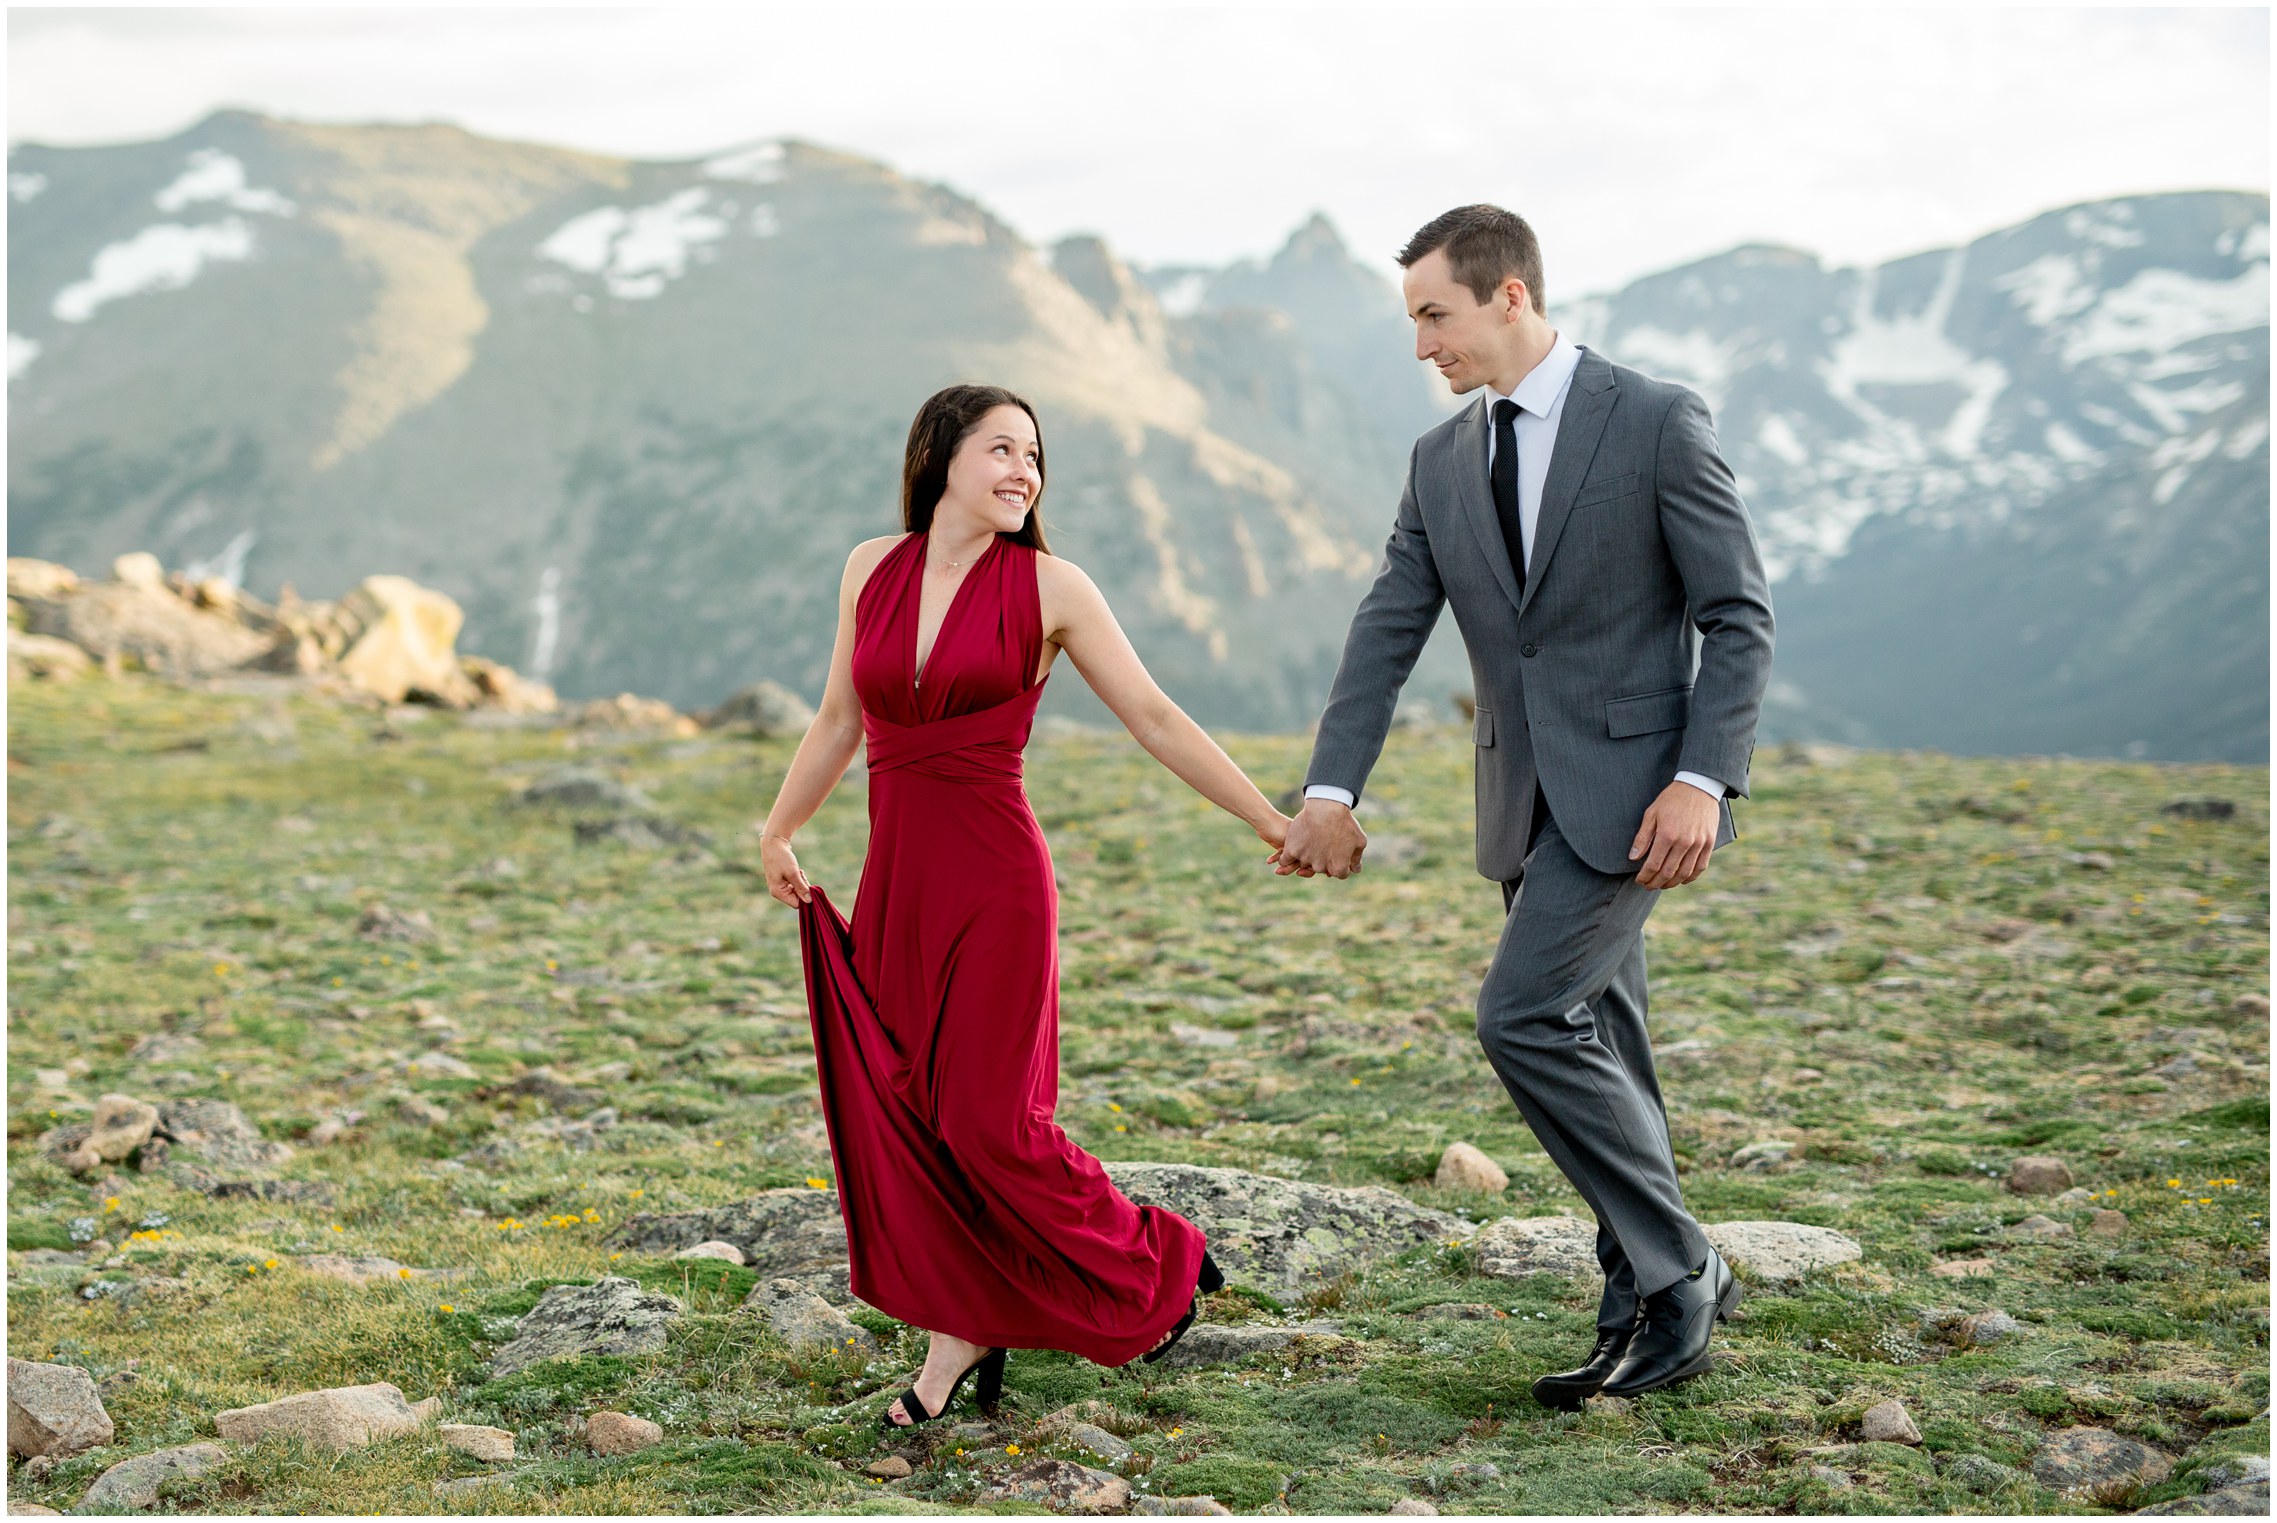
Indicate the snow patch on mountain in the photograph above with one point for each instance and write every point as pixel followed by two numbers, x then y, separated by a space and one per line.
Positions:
pixel 163 257
pixel 21 352
pixel 213 175
pixel 2162 309
pixel 760 164
pixel 23 185
pixel 637 252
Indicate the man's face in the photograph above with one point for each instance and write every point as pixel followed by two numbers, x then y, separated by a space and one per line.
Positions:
pixel 1454 330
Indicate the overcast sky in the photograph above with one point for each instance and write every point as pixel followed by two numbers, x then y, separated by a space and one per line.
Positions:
pixel 1632 139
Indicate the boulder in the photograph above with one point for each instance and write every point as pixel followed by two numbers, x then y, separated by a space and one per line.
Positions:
pixel 219 1131
pixel 1887 1422
pixel 1464 1167
pixel 492 1445
pixel 1098 1440
pixel 122 1123
pixel 2039 1174
pixel 28 578
pixel 784 1234
pixel 35 656
pixel 581 788
pixel 1515 1247
pixel 1980 1473
pixel 612 1316
pixel 765 710
pixel 630 711
pixel 147 625
pixel 54 1409
pixel 805 1321
pixel 498 686
pixel 134 1483
pixel 1778 1252
pixel 1063 1487
pixel 139 568
pixel 1281 1235
pixel 621 1433
pixel 399 638
pixel 2080 1458
pixel 1781 1253
pixel 345 1417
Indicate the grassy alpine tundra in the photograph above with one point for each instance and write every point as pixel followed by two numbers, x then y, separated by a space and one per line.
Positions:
pixel 1910 972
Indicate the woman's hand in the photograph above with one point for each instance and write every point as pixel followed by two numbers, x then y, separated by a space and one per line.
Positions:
pixel 1274 832
pixel 785 880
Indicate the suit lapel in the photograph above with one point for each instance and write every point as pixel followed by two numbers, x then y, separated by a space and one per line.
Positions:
pixel 1477 495
pixel 1582 423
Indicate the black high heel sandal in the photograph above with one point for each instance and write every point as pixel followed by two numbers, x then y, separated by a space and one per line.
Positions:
pixel 986 1395
pixel 1209 1282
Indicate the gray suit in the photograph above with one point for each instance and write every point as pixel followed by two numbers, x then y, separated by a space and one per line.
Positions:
pixel 1644 565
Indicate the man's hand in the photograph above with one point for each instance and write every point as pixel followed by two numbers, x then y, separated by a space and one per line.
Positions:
pixel 1323 838
pixel 1678 832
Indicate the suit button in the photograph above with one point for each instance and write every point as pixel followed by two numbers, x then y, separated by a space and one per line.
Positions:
pixel 1527 650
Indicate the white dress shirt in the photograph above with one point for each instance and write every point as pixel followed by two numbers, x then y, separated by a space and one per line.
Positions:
pixel 1541 401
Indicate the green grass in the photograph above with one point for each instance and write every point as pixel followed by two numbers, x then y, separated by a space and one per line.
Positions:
pixel 1915 928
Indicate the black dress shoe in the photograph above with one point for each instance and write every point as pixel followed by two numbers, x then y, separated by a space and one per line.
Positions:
pixel 1671 1341
pixel 1568 1389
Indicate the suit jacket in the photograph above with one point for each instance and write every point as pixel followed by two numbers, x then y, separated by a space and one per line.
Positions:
pixel 1642 644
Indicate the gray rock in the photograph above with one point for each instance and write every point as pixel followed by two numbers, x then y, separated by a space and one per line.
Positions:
pixel 2235 1469
pixel 1412 1507
pixel 1512 1247
pixel 1827 1475
pixel 491 1445
pixel 1282 1236
pixel 2039 1174
pixel 1063 1487
pixel 2078 1458
pixel 1211 1343
pixel 609 1433
pixel 1464 1167
pixel 581 788
pixel 380 923
pixel 121 1124
pixel 2042 1228
pixel 134 1483
pixel 1180 1507
pixel 1987 1328
pixel 342 1418
pixel 1887 1422
pixel 613 1316
pixel 1099 1441
pixel 467 1483
pixel 2245 1499
pixel 1981 1474
pixel 804 1320
pixel 784 1234
pixel 54 1409
pixel 1761 1156
pixel 712 1250
pixel 219 1132
pixel 1186 1035
pixel 1778 1252
pixel 1782 1253
pixel 765 710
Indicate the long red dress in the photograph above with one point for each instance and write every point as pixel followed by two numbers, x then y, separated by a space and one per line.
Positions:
pixel 936 1013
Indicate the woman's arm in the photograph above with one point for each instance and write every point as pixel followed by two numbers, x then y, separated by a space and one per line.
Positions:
pixel 830 742
pixel 1081 623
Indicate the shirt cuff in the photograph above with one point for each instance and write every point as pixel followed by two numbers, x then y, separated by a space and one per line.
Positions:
pixel 1707 785
pixel 1331 791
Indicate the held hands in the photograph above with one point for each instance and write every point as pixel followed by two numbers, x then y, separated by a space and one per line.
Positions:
pixel 1323 838
pixel 785 880
pixel 1678 833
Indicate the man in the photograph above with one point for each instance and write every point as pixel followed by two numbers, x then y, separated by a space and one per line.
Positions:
pixel 1593 546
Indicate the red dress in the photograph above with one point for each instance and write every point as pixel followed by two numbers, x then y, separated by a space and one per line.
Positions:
pixel 936 1013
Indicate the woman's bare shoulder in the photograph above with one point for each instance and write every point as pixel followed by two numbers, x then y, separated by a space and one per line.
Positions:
pixel 1056 573
pixel 864 557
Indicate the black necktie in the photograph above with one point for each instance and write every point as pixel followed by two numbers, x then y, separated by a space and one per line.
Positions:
pixel 1505 478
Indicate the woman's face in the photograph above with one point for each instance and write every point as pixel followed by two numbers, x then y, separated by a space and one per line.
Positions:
pixel 997 471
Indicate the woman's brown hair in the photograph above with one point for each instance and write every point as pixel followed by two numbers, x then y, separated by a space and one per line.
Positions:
pixel 945 421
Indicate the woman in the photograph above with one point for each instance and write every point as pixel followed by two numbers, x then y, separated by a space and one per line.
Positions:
pixel 936 1013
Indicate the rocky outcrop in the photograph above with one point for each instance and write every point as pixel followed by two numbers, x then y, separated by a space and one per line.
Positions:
pixel 612 1316
pixel 1064 1486
pixel 133 1484
pixel 804 1320
pixel 1778 1252
pixel 794 1234
pixel 399 639
pixel 346 1417
pixel 764 711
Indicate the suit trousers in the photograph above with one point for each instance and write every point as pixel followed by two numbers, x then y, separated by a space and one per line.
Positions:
pixel 1561 1016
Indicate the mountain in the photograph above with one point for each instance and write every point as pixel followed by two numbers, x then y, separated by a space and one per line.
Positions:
pixel 632 414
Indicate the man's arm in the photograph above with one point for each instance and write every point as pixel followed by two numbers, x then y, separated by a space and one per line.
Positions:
pixel 1388 633
pixel 1713 544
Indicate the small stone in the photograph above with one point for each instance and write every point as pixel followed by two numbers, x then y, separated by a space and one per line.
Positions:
pixel 1476 1474
pixel 715 1249
pixel 1827 1475
pixel 2043 1227
pixel 1808 1075
pixel 1180 1507
pixel 133 1483
pixel 1981 1474
pixel 1063 1487
pixel 1961 1269
pixel 2094 861
pixel 2073 1198
pixel 2039 1174
pixel 1611 1406
pixel 621 1433
pixel 492 1445
pixel 1761 1156
pixel 892 1468
pixel 438 1065
pixel 329 1130
pixel 54 1410
pixel 1099 1441
pixel 1201 1036
pixel 341 1418
pixel 421 1112
pixel 1887 1422
pixel 2078 1458
pixel 1412 1507
pixel 379 923
pixel 2107 1223
pixel 361 1270
pixel 1988 1327
pixel 1464 1167
pixel 2254 1006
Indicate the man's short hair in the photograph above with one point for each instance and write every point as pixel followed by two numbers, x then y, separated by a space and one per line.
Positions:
pixel 1485 246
